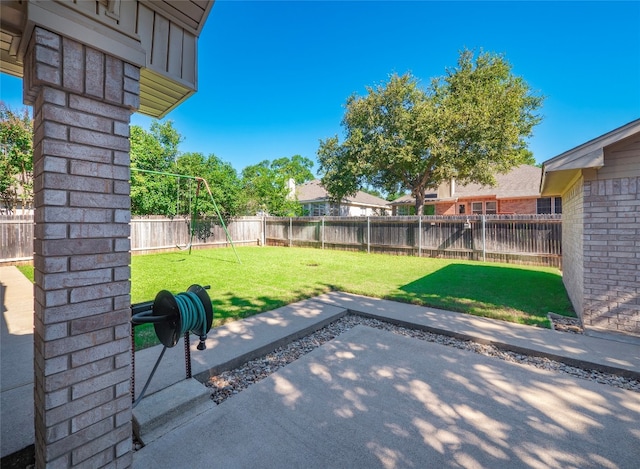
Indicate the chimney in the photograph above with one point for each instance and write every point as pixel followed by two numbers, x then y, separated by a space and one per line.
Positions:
pixel 291 186
pixel 452 186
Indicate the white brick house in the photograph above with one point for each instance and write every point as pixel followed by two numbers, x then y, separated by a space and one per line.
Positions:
pixel 599 182
pixel 316 202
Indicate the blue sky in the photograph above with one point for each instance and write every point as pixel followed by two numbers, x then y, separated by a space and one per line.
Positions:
pixel 274 76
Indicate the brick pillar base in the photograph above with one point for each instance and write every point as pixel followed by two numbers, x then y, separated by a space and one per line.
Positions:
pixel 83 100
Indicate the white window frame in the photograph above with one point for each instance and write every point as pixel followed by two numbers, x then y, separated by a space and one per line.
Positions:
pixel 474 209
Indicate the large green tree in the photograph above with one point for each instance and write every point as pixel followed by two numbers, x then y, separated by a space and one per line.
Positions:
pixel 154 150
pixel 469 125
pixel 16 157
pixel 265 185
pixel 222 179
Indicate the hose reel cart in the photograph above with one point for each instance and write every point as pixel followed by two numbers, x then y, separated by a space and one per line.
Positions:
pixel 173 316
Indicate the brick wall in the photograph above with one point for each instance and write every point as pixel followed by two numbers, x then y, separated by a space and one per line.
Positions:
pixel 612 254
pixel 518 206
pixel 572 245
pixel 82 101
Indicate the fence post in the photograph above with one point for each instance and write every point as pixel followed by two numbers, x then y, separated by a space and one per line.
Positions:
pixel 264 230
pixel 484 238
pixel 419 236
pixel 368 235
pixel 322 233
pixel 290 230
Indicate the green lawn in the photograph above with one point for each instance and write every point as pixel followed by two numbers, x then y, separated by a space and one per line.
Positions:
pixel 271 277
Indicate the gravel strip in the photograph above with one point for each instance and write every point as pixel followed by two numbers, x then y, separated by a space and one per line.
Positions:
pixel 232 382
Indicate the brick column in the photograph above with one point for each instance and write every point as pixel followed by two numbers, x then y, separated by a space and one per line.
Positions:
pixel 83 100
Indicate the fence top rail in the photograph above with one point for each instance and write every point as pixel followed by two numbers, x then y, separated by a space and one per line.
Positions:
pixel 427 218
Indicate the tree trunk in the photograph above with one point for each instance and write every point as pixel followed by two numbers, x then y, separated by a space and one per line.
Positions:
pixel 419 195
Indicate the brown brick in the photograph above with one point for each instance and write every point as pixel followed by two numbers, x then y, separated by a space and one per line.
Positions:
pixel 123 216
pixel 69 312
pixel 121 158
pixel 99 200
pixel 98 261
pixel 57 432
pixel 92 106
pixel 69 247
pixel 54 130
pixel 56 398
pixel 47 74
pixel 102 459
pixel 73 118
pixel 70 409
pixel 122 187
pixel 73 70
pixel 94 415
pixel 97 230
pixel 100 382
pixel 88 168
pixel 50 231
pixel 75 215
pixel 93 292
pixel 80 438
pixel 76 152
pixel 122 273
pixel 54 348
pixel 99 444
pixel 46 38
pixel 99 321
pixel 54 96
pixel 82 278
pixel 102 140
pixel 94 77
pixel 48 56
pixel 114 76
pixel 106 350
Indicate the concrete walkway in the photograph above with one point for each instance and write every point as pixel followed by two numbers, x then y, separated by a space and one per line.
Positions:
pixel 16 361
pixel 371 398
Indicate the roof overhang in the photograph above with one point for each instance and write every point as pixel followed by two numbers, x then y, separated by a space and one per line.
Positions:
pixel 559 172
pixel 159 36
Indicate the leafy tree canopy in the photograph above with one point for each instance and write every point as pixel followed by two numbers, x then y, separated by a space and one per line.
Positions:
pixel 469 125
pixel 222 179
pixel 265 186
pixel 153 194
pixel 16 157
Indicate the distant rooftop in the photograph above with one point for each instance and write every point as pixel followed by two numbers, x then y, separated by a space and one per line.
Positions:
pixel 314 191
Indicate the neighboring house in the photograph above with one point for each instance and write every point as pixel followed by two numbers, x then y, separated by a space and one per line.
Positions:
pixel 599 182
pixel 316 202
pixel 516 192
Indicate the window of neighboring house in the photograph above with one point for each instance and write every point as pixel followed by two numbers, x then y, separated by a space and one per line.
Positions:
pixel 558 205
pixel 461 209
pixel 549 205
pixel 476 208
pixel 490 208
pixel 315 210
pixel 405 210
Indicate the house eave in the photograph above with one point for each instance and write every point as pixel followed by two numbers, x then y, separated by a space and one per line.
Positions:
pixel 562 169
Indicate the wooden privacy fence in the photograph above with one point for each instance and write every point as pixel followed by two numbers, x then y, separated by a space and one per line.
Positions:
pixel 159 233
pixel 151 234
pixel 520 239
pixel 16 238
